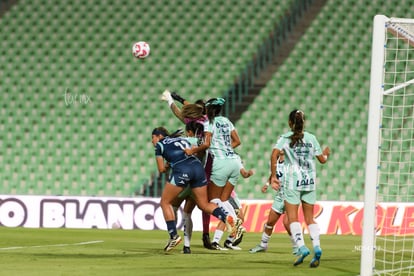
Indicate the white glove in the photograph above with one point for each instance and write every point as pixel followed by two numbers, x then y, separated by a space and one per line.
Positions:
pixel 166 96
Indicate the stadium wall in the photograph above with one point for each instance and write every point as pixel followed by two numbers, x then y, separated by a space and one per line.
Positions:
pixel 333 217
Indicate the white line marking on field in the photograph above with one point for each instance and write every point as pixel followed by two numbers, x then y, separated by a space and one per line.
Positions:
pixel 50 245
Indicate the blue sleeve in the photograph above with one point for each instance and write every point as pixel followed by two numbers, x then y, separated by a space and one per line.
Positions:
pixel 158 149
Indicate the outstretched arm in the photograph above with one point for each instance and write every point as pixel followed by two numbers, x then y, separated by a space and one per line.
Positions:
pixel 177 112
pixel 166 96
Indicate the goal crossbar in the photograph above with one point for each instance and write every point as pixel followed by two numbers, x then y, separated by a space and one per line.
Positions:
pixel 402 28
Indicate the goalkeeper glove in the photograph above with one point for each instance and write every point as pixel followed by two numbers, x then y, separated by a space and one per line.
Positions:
pixel 177 97
pixel 166 96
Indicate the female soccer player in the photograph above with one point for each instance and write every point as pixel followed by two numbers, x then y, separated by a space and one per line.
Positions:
pixel 186 170
pixel 220 138
pixel 277 210
pixel 300 149
pixel 193 113
pixel 233 242
pixel 192 129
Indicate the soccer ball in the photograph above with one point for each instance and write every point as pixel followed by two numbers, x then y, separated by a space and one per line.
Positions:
pixel 141 49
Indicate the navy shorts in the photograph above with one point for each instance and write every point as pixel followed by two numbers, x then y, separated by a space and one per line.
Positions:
pixel 188 173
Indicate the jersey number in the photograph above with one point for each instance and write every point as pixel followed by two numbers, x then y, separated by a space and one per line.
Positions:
pixel 183 144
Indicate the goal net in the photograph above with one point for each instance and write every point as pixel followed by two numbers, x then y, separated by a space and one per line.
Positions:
pixel 388 226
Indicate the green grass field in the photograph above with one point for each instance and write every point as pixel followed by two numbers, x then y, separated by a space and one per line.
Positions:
pixel 26 251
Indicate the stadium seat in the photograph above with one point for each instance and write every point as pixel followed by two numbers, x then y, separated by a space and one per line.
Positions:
pixel 198 50
pixel 341 120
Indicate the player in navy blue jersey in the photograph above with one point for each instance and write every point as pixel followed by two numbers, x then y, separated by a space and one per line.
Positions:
pixel 186 170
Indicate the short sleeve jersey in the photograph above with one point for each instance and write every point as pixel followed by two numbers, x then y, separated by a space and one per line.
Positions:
pixel 299 166
pixel 241 165
pixel 220 145
pixel 172 149
pixel 194 141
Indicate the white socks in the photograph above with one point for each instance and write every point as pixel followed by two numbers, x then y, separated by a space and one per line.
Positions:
pixel 229 208
pixel 226 206
pixel 296 230
pixel 265 237
pixel 188 228
pixel 265 240
pixel 314 233
pixel 297 235
pixel 292 240
pixel 218 234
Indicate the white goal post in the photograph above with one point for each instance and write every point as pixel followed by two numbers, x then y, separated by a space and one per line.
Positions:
pixel 389 166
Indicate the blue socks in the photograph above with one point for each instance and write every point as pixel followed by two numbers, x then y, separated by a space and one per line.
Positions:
pixel 219 213
pixel 172 228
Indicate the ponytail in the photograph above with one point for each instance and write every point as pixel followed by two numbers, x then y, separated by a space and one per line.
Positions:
pixel 297 124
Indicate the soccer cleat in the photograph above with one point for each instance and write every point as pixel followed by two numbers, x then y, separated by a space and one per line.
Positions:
pixel 316 258
pixel 302 254
pixel 239 235
pixel 258 248
pixel 186 250
pixel 216 246
pixel 228 244
pixel 172 243
pixel 238 222
pixel 231 226
pixel 206 241
pixel 177 97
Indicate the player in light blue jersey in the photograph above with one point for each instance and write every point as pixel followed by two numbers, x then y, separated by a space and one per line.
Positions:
pixel 299 181
pixel 275 212
pixel 220 139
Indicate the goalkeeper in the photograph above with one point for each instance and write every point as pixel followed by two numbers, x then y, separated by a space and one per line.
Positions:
pixel 193 112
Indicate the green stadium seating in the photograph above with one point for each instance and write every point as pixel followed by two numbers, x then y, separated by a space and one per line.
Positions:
pixel 326 75
pixel 49 146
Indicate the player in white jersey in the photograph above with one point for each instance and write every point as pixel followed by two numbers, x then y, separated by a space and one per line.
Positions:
pixel 300 149
pixel 221 138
